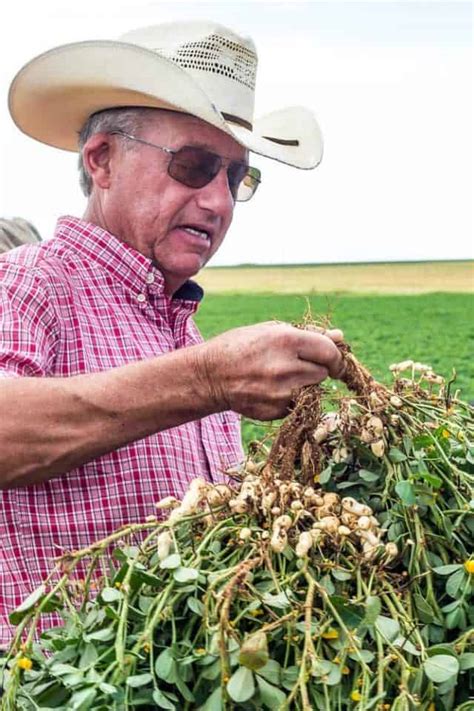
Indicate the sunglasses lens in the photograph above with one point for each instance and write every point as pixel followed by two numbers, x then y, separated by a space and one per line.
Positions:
pixel 248 184
pixel 194 166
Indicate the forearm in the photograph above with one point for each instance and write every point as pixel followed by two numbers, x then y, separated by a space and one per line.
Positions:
pixel 49 426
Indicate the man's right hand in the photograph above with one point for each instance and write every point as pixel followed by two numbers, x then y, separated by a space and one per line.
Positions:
pixel 257 370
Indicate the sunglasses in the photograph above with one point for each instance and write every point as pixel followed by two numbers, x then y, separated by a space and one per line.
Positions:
pixel 195 167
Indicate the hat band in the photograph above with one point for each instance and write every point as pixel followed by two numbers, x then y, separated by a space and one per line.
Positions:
pixel 239 121
pixel 246 124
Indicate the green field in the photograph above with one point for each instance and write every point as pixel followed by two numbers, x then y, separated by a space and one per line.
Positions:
pixel 436 328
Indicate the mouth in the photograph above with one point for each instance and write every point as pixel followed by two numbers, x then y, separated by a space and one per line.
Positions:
pixel 197 231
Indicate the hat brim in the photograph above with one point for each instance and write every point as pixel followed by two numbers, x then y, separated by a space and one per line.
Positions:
pixel 53 95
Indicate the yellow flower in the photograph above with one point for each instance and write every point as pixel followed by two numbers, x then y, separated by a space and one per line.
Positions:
pixel 330 634
pixel 469 566
pixel 146 647
pixel 25 663
pixel 316 478
pixel 257 612
pixel 356 695
pixel 445 434
pixel 200 651
pixel 345 670
pixel 460 436
pixel 118 585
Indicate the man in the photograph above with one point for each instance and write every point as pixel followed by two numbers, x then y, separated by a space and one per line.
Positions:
pixel 16 232
pixel 109 397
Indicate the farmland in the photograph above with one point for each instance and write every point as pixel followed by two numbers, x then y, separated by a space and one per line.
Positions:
pixel 435 327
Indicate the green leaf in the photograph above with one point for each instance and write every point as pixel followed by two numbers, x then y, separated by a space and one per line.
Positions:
pixel 447 569
pixel 170 562
pixel 455 581
pixel 143 576
pixel 17 615
pixel 388 628
pixel 451 606
pixel 162 701
pixel 271 696
pixel 456 618
pixel 271 672
pixel 325 475
pixel 126 553
pixel 363 654
pixel 82 700
pixel 366 475
pixel 241 685
pixel 88 656
pixel 289 676
pixel 327 584
pixel 279 601
pixel 107 688
pixel 466 661
pixel 139 680
pixel 330 673
pixel 406 646
pixel 433 479
pixel 165 666
pixel 341 575
pixel 373 608
pixel 62 669
pixel 214 702
pixel 406 492
pixel 351 614
pixel 195 606
pixel 103 635
pixel 111 594
pixel 183 689
pixel 424 610
pixel 441 667
pixel 440 649
pixel 396 455
pixel 185 575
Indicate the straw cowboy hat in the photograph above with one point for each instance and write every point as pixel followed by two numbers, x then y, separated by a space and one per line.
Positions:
pixel 199 68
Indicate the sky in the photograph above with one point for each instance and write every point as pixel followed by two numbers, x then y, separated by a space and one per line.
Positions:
pixel 391 84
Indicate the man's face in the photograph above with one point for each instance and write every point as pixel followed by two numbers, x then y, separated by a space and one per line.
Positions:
pixel 178 227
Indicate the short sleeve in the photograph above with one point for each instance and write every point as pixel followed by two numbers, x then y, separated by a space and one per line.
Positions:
pixel 28 326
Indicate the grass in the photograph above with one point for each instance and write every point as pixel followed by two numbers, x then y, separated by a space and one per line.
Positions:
pixel 435 328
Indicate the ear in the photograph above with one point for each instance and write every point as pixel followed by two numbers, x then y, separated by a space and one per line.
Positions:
pixel 96 157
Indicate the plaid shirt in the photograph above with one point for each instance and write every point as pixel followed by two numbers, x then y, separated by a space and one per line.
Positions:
pixel 85 302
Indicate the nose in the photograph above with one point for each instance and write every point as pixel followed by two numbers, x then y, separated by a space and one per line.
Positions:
pixel 216 195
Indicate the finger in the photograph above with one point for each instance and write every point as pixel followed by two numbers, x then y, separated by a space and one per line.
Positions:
pixel 335 334
pixel 319 349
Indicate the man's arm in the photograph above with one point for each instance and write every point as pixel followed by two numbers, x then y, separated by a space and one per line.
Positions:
pixel 49 426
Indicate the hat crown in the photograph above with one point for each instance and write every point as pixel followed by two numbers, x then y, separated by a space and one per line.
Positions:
pixel 222 62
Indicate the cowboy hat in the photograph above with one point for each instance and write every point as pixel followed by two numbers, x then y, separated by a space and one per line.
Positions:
pixel 199 68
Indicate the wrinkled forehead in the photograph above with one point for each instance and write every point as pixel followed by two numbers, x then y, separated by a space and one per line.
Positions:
pixel 179 129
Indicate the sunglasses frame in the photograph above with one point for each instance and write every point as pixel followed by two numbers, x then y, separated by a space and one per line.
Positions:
pixel 253 173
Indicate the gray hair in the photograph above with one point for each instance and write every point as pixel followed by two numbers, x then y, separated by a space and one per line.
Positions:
pixel 126 119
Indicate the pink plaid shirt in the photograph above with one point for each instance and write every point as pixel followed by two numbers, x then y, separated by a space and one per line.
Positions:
pixel 85 302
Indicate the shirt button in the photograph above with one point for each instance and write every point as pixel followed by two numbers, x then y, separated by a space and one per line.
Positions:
pixel 141 298
pixel 150 278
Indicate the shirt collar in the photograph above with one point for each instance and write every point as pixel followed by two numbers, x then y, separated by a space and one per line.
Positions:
pixel 135 271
